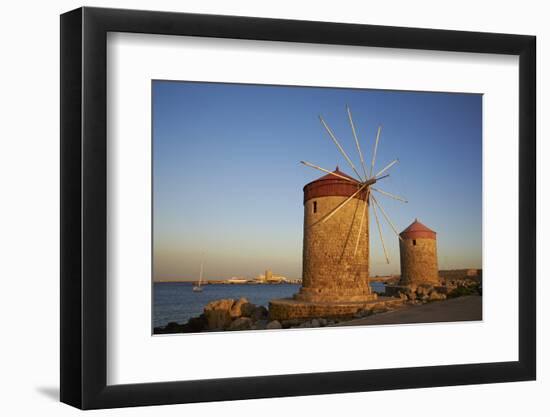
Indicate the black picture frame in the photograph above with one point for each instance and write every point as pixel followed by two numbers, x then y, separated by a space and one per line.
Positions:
pixel 84 207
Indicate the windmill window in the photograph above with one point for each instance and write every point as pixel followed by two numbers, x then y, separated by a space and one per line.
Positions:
pixel 315 206
pixel 414 242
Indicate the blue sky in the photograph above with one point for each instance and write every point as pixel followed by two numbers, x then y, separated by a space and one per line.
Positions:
pixel 228 182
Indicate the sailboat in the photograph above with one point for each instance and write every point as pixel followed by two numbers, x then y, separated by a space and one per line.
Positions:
pixel 198 288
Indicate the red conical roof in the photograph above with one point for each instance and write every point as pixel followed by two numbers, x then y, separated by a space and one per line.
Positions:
pixel 331 185
pixel 417 230
pixel 334 177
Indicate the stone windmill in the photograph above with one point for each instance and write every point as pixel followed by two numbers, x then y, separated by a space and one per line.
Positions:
pixel 335 278
pixel 336 226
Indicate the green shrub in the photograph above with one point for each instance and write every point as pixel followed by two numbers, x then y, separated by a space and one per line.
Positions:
pixel 463 291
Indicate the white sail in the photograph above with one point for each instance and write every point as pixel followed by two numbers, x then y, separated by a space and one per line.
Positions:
pixel 198 288
pixel 200 276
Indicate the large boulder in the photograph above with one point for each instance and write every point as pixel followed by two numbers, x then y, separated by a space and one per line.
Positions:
pixel 377 309
pixel 248 309
pixel 197 324
pixel 423 290
pixel 435 296
pixel 275 324
pixel 241 307
pixel 218 313
pixel 259 313
pixel 287 324
pixel 171 327
pixel 259 325
pixel 242 323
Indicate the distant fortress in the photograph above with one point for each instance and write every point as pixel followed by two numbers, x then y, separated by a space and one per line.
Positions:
pixel 266 278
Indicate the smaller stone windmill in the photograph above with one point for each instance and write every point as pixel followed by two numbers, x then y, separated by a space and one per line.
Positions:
pixel 418 253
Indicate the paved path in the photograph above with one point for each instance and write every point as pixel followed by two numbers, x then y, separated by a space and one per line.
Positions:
pixel 456 309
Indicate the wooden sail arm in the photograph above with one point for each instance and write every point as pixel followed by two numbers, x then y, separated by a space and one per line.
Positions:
pixel 357 142
pixel 331 134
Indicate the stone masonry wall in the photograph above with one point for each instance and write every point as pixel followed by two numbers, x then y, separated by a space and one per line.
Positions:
pixel 331 272
pixel 418 262
pixel 285 309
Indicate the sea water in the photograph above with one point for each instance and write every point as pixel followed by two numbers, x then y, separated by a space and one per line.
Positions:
pixel 178 302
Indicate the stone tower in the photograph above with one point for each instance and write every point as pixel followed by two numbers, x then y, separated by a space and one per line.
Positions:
pixel 331 272
pixel 418 251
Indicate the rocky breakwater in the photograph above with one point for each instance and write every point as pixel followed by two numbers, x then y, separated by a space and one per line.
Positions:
pixel 225 314
pixel 422 293
pixel 232 315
